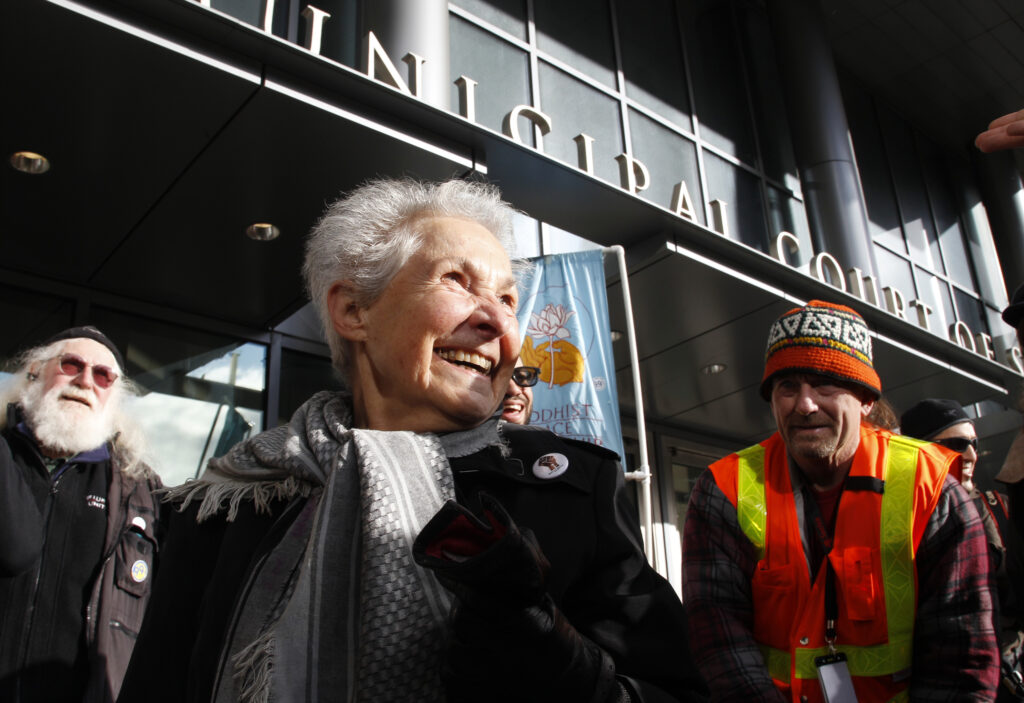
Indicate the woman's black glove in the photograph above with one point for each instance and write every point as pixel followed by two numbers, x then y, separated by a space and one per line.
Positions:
pixel 509 641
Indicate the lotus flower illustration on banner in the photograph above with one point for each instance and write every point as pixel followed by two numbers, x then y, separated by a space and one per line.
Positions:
pixel 559 361
pixel 564 320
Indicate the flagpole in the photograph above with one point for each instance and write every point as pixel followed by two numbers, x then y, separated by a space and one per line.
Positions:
pixel 643 473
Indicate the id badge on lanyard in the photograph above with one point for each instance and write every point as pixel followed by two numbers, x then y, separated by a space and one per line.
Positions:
pixel 833 673
pixel 834 677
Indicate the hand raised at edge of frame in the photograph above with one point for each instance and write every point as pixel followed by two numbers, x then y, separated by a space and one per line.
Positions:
pixel 1006 132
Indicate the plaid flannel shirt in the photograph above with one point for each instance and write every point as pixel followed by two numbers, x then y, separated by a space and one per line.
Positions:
pixel 955 654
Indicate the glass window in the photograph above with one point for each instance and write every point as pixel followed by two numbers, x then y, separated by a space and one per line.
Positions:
pixel 741 193
pixel 918 228
pixel 652 59
pixel 934 292
pixel 951 240
pixel 776 143
pixel 883 215
pixel 340 38
pixel 30 319
pixel 507 15
pixel 786 214
pixel 955 251
pixel 669 158
pixel 574 108
pixel 302 375
pixel 201 392
pixel 894 272
pixel 304 323
pixel 527 233
pixel 578 33
pixel 558 241
pixel 501 71
pixel 718 82
pixel 245 10
pixel 970 311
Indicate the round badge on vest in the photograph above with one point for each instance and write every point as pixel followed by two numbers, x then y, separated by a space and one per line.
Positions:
pixel 550 465
pixel 140 571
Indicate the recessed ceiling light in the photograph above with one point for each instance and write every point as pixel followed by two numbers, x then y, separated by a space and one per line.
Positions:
pixel 30 162
pixel 713 369
pixel 262 231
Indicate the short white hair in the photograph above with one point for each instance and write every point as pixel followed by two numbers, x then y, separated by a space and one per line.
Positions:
pixel 365 237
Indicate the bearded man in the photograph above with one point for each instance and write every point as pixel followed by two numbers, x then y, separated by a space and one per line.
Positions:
pixel 79 536
pixel 835 561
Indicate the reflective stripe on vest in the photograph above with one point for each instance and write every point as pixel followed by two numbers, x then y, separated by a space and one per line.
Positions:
pixel 896 534
pixel 751 501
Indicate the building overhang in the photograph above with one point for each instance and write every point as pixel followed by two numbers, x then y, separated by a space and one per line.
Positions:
pixel 172 131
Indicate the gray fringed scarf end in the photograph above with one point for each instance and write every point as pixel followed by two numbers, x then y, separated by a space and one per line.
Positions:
pixel 253 667
pixel 214 496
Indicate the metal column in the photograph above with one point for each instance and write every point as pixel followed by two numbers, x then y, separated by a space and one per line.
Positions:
pixel 419 27
pixel 824 152
pixel 1003 195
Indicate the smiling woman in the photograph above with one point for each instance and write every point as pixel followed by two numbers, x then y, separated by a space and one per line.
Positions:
pixel 301 565
pixel 435 350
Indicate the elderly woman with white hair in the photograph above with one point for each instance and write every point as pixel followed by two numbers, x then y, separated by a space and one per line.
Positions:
pixel 397 541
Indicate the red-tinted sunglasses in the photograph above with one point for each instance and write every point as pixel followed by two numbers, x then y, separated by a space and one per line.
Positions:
pixel 73 365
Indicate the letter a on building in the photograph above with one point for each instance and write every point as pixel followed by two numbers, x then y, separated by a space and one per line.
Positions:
pixel 563 319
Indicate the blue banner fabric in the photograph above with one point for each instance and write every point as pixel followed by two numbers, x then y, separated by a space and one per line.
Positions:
pixel 563 317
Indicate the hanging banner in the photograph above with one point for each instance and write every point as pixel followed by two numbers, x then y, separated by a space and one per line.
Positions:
pixel 563 318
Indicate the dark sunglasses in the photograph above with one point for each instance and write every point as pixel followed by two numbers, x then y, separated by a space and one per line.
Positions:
pixel 958 444
pixel 73 365
pixel 525 376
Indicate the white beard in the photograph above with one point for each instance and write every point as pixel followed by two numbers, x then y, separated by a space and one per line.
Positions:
pixel 66 427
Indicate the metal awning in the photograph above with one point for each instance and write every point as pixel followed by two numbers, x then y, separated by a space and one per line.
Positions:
pixel 172 131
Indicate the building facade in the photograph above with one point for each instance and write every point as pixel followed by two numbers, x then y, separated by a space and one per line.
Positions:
pixel 749 155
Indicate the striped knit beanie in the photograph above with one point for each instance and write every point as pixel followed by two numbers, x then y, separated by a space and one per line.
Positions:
pixel 821 338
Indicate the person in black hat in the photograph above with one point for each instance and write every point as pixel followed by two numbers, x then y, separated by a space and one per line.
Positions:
pixel 1013 314
pixel 79 522
pixel 944 422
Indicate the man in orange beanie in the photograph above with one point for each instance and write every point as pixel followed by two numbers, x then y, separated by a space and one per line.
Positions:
pixel 834 560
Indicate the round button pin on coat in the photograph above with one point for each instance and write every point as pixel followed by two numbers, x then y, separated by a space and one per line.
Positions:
pixel 550 465
pixel 140 571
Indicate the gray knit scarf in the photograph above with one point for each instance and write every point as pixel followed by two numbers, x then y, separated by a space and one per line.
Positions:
pixel 338 611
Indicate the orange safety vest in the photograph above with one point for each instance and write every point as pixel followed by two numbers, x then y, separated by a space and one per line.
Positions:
pixel 879 524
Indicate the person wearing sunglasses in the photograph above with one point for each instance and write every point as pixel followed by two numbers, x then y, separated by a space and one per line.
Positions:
pixel 944 422
pixel 79 522
pixel 518 403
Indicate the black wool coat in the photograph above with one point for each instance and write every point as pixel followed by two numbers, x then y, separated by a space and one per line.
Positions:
pixel 581 516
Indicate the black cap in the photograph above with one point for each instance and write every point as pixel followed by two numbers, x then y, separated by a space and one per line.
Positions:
pixel 1014 312
pixel 88 332
pixel 930 417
